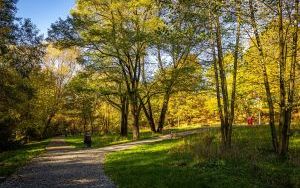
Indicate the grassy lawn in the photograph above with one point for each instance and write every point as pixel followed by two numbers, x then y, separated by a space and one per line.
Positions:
pixel 10 161
pixel 111 139
pixel 197 161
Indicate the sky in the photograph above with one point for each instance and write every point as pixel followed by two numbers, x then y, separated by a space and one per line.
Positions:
pixel 44 12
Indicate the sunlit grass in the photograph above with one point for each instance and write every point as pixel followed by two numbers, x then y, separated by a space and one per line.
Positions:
pixel 10 161
pixel 197 161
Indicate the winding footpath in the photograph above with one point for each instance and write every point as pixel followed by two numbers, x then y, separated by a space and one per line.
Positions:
pixel 64 166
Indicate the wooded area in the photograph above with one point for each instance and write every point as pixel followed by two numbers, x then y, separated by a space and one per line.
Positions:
pixel 126 65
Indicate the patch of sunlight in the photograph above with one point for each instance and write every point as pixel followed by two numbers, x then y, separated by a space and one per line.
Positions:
pixel 120 141
pixel 84 181
pixel 295 142
pixel 36 150
pixel 155 148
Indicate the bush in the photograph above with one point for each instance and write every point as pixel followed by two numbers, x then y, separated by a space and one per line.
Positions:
pixel 7 136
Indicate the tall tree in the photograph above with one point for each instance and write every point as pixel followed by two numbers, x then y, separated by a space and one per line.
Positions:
pixel 176 47
pixel 61 66
pixel 111 86
pixel 286 92
pixel 226 104
pixel 283 15
pixel 119 30
pixel 21 52
pixel 292 80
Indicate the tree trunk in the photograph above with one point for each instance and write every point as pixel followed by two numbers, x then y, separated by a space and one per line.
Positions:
pixel 135 111
pixel 47 124
pixel 124 116
pixel 235 67
pixel 282 69
pixel 266 79
pixel 218 94
pixel 216 73
pixel 136 128
pixel 163 112
pixel 225 130
pixel 92 125
pixel 149 114
pixel 84 124
pixel 285 132
pixel 147 107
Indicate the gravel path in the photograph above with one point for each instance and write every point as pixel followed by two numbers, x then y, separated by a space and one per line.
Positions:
pixel 61 166
pixel 64 166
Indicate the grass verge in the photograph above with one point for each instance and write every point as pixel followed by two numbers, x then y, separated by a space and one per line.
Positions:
pixel 197 161
pixel 11 160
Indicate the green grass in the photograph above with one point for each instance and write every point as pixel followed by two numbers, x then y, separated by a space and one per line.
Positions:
pixel 197 161
pixel 11 160
pixel 112 139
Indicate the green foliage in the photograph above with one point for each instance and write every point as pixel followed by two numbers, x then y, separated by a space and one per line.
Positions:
pixel 64 34
pixel 192 108
pixel 20 57
pixel 7 26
